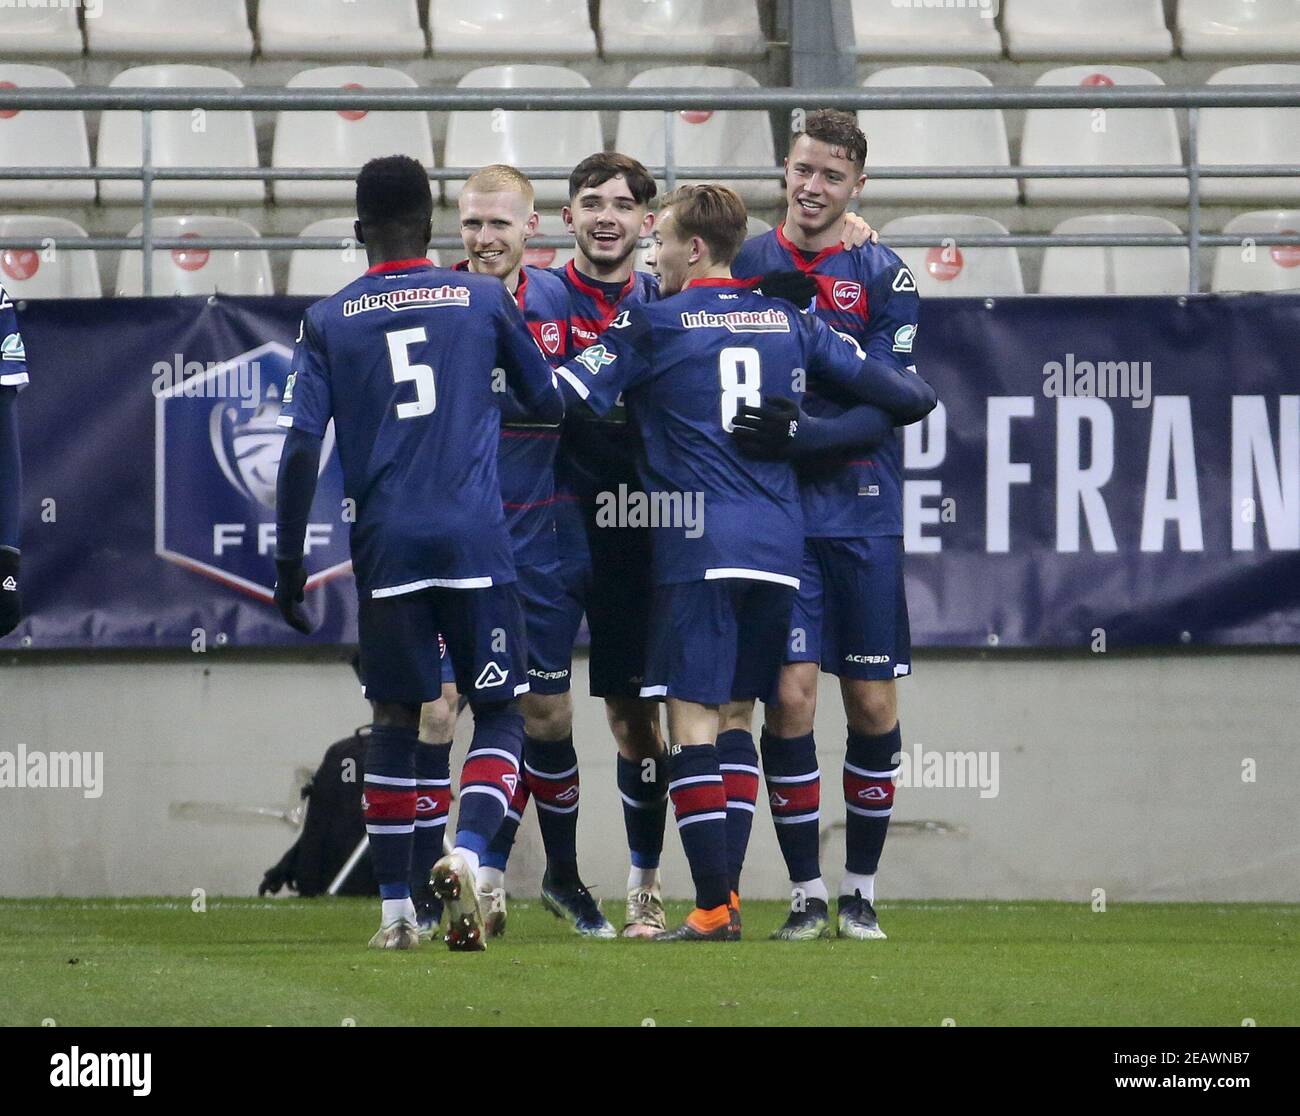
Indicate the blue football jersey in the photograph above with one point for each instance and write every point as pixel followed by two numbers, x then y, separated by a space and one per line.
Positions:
pixel 869 294
pixel 595 456
pixel 403 360
pixel 685 365
pixel 526 455
pixel 13 357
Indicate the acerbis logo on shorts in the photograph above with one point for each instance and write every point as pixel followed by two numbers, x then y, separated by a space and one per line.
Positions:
pixel 491 675
pixel 868 659
pixel 547 673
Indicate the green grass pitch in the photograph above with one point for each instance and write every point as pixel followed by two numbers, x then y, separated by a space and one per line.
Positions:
pixel 300 962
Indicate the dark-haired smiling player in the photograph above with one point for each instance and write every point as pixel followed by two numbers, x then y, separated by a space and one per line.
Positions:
pixel 402 360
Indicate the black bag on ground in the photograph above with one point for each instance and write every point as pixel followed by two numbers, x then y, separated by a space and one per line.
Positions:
pixel 333 828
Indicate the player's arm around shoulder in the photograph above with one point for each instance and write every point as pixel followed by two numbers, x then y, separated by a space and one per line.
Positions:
pixel 882 380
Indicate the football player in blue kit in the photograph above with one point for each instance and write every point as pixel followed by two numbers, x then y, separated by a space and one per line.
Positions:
pixel 727 528
pixel 404 361
pixel 13 378
pixel 496 220
pixel 607 569
pixel 609 213
pixel 850 617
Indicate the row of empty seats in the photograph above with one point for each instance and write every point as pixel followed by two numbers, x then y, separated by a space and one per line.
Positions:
pixel 946 270
pixel 951 138
pixel 1075 29
pixel 685 29
pixel 347 138
pixel 391 29
pixel 1079 137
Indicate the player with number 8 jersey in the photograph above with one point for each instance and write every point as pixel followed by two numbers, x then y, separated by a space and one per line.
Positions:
pixel 727 529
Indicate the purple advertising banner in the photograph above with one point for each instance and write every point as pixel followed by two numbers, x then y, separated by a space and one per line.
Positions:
pixel 1122 466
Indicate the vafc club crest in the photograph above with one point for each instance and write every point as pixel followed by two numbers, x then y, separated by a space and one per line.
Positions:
pixel 551 335
pixel 847 296
pixel 216 460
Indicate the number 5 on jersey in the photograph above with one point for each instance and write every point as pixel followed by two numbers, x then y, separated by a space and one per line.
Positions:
pixel 399 355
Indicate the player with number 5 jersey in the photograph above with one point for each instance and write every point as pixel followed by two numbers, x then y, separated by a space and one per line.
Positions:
pixel 410 362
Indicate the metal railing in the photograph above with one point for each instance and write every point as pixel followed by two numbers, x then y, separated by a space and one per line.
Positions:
pixel 667 101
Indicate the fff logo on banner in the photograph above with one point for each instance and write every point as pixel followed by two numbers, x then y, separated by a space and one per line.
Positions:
pixel 215 471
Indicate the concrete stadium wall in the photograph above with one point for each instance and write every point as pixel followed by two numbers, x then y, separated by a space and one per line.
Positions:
pixel 1115 772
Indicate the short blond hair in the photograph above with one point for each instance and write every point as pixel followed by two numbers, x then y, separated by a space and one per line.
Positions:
pixel 499 178
pixel 712 212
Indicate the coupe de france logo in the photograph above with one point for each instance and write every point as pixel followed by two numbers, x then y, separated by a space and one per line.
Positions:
pixel 216 459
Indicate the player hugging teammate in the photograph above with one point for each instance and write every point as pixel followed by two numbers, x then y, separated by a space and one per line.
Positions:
pixel 695 394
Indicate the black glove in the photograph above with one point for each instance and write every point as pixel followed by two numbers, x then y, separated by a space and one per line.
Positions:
pixel 290 577
pixel 793 286
pixel 280 874
pixel 11 601
pixel 768 430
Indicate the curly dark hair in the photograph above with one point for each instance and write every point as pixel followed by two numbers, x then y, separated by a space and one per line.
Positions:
pixel 837 129
pixel 596 170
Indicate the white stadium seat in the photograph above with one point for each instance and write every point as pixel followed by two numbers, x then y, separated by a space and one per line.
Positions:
pixel 1239 28
pixel 951 271
pixel 348 137
pixel 551 224
pixel 42 139
pixel 49 271
pixel 523 139
pixel 741 138
pixel 1121 271
pixel 340 29
pixel 1086 29
pixel 322 271
pixel 931 137
pixel 1110 137
pixel 182 138
pixel 1251 135
pixel 171 29
pixel 497 29
pixel 685 29
pixel 887 29
pixel 47 30
pixel 198 271
pixel 1258 267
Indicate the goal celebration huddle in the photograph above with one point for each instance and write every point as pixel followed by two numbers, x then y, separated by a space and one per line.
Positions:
pixel 494 421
